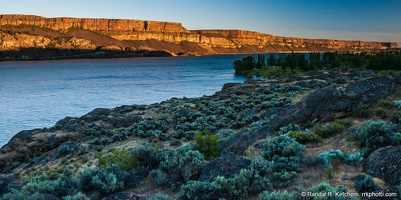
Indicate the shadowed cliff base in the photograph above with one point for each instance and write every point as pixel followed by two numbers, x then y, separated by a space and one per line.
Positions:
pixel 57 54
pixel 18 32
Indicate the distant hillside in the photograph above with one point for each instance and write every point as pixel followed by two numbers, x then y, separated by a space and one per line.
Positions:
pixel 35 37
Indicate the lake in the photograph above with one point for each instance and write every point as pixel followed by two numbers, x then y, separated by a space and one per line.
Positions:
pixel 36 94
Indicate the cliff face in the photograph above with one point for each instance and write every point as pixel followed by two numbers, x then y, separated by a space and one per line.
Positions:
pixel 28 31
pixel 104 26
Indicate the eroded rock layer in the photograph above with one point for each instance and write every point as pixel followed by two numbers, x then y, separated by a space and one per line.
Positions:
pixel 29 31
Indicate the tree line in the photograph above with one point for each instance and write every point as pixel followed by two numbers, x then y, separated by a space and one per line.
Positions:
pixel 381 60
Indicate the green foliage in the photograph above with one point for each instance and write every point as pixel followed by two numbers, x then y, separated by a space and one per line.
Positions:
pixel 175 142
pixel 373 135
pixel 305 137
pixel 397 104
pixel 325 187
pixel 159 196
pixel 181 165
pixel 77 196
pixel 360 110
pixel 326 157
pixel 286 155
pixel 13 165
pixel 395 116
pixel 123 158
pixel 199 190
pixel 380 111
pixel 366 184
pixel 103 180
pixel 250 180
pixel 277 195
pixel 207 144
pixel 329 129
pixel 246 64
pixel 247 181
pixel 385 103
pixel 41 184
pixel 387 60
pixel 295 60
pixel 330 171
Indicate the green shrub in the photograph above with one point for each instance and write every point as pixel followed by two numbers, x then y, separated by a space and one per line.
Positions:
pixel 305 137
pixel 366 184
pixel 175 142
pixel 199 190
pixel 159 196
pixel 330 171
pixel 380 111
pixel 207 144
pixel 41 184
pixel 77 196
pixel 397 104
pixel 328 129
pixel 373 135
pixel 277 195
pixel 395 116
pixel 123 158
pixel 360 110
pixel 104 181
pixel 286 155
pixel 326 157
pixel 324 188
pixel 250 180
pixel 181 165
pixel 386 103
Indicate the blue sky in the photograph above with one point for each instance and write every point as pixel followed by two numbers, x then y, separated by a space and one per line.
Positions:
pixel 369 20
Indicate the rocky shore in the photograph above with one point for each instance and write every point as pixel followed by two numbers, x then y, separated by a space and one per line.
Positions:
pixel 328 116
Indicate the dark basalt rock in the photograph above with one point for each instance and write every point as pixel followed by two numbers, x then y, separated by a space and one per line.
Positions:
pixel 385 163
pixel 181 112
pixel 64 149
pixel 6 180
pixel 25 134
pixel 332 103
pixel 371 90
pixel 227 165
pixel 123 121
pixel 241 141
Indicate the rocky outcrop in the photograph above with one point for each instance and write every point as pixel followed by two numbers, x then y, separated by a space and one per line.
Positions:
pixel 29 31
pixel 227 165
pixel 332 103
pixel 385 163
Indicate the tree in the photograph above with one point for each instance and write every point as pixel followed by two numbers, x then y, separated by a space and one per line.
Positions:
pixel 246 64
pixel 272 61
pixel 330 171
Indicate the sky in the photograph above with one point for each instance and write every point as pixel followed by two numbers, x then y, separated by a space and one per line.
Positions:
pixel 367 20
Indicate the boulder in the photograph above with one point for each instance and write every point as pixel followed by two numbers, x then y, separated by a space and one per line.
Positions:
pixel 64 149
pixel 226 165
pixel 241 141
pixel 385 163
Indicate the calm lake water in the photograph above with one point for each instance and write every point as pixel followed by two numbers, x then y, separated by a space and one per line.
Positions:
pixel 36 94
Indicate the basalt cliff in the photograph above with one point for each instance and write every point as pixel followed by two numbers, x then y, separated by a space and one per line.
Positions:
pixel 35 37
